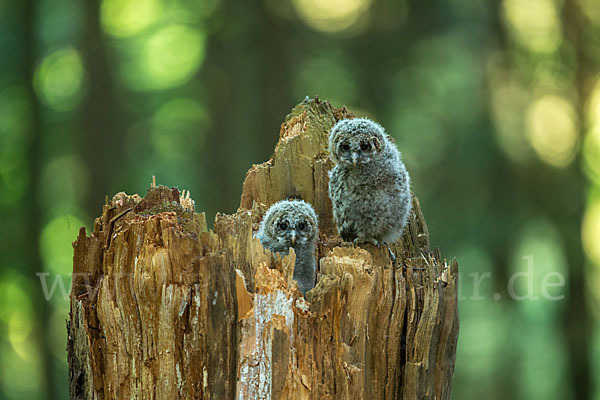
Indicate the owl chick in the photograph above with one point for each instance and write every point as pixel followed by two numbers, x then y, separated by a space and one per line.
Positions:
pixel 369 186
pixel 293 224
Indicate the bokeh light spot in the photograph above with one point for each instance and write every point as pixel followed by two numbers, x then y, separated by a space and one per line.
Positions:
pixel 58 335
pixel 177 131
pixel 552 130
pixel 13 295
pixel 203 9
pixel 333 15
pixel 16 323
pixel 123 18
pixel 415 130
pixel 169 58
pixel 539 254
pixel 21 378
pixel 64 183
pixel 15 116
pixel 59 79
pixel 542 353
pixel 479 341
pixel 327 78
pixel 480 338
pixel 444 91
pixel 591 232
pixel 593 105
pixel 591 9
pixel 591 155
pixel 14 175
pixel 19 327
pixel 15 123
pixel 534 24
pixel 591 143
pixel 508 99
pixel 56 244
pixel 539 247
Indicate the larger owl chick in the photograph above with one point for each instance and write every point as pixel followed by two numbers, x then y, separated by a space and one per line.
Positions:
pixel 293 223
pixel 369 186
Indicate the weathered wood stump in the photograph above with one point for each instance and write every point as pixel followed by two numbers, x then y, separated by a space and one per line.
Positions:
pixel 163 308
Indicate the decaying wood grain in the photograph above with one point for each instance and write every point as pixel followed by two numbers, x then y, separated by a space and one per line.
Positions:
pixel 162 308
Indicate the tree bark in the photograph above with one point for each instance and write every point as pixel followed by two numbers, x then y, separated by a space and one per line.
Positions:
pixel 163 308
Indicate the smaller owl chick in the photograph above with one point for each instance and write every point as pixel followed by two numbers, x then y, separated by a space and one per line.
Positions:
pixel 293 224
pixel 369 186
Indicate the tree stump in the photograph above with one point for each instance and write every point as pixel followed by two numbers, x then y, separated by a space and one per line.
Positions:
pixel 163 308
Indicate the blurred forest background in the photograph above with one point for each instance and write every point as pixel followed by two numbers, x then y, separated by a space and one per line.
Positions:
pixel 494 104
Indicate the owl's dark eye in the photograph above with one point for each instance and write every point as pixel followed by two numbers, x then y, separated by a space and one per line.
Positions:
pixel 365 147
pixel 283 226
pixel 344 147
pixel 301 226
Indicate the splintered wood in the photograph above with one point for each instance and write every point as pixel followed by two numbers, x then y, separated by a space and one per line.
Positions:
pixel 162 308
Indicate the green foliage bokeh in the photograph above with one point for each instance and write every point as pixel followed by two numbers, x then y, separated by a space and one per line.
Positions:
pixel 494 105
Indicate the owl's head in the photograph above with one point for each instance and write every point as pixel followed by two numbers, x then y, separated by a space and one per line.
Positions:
pixel 355 142
pixel 291 223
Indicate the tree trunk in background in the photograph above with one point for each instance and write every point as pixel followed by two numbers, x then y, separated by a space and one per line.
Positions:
pixel 162 308
pixel 248 75
pixel 31 212
pixel 577 318
pixel 100 117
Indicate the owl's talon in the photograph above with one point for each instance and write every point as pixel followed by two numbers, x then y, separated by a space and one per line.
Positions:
pixel 392 256
pixel 372 241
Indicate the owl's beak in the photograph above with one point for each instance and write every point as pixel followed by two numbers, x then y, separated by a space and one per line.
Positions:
pixel 293 237
pixel 354 158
